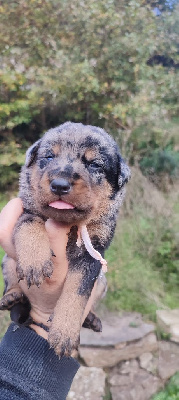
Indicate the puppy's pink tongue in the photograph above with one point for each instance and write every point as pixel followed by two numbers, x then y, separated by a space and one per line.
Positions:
pixel 61 205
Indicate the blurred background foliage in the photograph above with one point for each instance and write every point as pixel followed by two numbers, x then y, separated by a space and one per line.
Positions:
pixel 114 64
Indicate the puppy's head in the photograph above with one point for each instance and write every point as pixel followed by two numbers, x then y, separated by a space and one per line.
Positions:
pixel 73 173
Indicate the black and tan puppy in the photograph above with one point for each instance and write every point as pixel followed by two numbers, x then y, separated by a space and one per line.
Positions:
pixel 76 175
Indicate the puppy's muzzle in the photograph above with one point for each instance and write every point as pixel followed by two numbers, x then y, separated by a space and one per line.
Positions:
pixel 60 186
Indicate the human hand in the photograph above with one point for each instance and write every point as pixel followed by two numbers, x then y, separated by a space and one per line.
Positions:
pixel 44 298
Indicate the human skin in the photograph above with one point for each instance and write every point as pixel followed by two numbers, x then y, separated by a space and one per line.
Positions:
pixel 44 298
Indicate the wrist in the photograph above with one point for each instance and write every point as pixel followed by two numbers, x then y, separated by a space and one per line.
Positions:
pixel 39 322
pixel 39 330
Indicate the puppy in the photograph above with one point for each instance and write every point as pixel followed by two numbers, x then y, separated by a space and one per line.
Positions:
pixel 75 175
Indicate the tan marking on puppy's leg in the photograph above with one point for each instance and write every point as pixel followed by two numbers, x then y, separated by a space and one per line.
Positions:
pixel 33 252
pixel 64 333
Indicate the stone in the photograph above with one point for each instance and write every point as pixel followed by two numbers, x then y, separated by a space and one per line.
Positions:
pixel 122 393
pixel 121 375
pixel 122 380
pixel 149 362
pixel 168 322
pixel 128 366
pixel 168 363
pixel 129 382
pixel 143 389
pixel 145 359
pixel 88 384
pixel 174 332
pixel 117 330
pixel 109 356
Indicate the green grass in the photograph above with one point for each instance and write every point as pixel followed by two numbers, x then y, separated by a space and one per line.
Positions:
pixel 142 267
pixel 132 282
pixel 4 322
pixel 171 391
pixel 3 201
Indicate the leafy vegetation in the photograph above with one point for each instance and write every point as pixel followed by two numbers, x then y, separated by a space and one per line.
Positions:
pixel 165 161
pixel 171 392
pixel 87 62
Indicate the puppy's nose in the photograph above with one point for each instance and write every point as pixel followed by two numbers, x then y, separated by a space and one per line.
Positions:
pixel 60 186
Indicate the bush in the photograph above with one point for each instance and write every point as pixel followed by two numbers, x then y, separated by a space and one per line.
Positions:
pixel 89 64
pixel 161 161
pixel 166 258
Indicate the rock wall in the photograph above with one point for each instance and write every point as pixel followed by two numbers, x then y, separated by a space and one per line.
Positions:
pixel 123 362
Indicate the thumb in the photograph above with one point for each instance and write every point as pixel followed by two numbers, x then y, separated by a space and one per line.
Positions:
pixel 8 218
pixel 58 237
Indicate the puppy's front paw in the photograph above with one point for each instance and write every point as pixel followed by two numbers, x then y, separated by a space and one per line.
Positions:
pixel 34 273
pixel 92 322
pixel 62 343
pixel 10 299
pixel 33 250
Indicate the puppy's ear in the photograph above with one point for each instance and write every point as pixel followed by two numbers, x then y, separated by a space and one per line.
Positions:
pixel 124 173
pixel 31 153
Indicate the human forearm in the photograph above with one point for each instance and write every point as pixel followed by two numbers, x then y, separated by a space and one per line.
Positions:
pixel 30 369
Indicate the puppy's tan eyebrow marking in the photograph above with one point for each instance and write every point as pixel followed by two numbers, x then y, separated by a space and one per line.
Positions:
pixel 55 149
pixel 91 154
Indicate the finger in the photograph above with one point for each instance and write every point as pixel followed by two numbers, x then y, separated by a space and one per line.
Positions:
pixel 8 218
pixel 58 236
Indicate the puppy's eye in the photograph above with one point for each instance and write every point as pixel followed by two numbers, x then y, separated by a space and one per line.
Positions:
pixel 95 166
pixel 49 157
